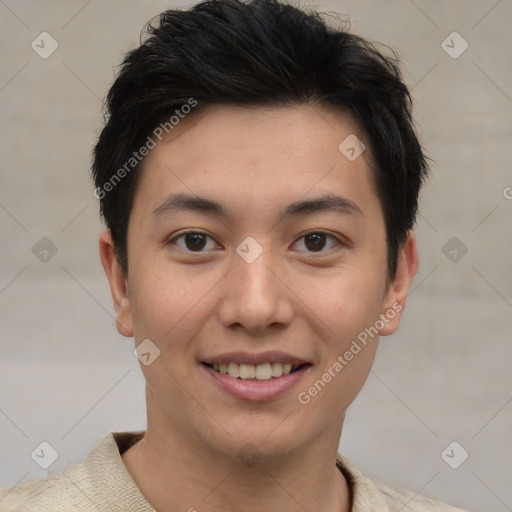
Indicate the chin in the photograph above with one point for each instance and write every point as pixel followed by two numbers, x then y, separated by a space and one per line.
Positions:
pixel 256 437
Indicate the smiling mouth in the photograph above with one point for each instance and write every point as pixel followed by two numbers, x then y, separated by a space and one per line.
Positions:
pixel 262 372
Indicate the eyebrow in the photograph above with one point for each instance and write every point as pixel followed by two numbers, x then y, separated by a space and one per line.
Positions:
pixel 183 202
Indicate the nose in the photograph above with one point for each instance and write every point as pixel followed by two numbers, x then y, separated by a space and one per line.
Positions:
pixel 255 296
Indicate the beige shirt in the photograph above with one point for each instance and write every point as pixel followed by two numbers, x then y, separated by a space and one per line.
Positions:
pixel 102 483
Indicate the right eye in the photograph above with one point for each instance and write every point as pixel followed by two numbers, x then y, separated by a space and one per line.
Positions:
pixel 193 241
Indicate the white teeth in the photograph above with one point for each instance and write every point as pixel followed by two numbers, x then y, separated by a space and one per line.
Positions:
pixel 233 370
pixel 250 371
pixel 264 371
pixel 247 371
pixel 277 369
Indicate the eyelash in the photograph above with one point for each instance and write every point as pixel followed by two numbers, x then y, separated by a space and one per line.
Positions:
pixel 196 232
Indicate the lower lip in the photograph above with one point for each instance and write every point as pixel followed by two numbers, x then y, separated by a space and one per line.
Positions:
pixel 256 389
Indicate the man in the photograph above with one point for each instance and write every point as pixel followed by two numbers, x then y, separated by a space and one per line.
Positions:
pixel 259 176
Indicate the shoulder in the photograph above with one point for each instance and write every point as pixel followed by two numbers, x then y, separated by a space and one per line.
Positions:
pixel 369 495
pixel 60 491
pixel 100 482
pixel 407 500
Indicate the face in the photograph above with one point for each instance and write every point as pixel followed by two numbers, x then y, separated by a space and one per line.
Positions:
pixel 257 248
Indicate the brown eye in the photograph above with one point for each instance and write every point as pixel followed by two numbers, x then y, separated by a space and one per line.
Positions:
pixel 191 241
pixel 195 241
pixel 316 241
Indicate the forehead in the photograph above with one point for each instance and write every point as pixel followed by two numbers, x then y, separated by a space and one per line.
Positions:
pixel 268 155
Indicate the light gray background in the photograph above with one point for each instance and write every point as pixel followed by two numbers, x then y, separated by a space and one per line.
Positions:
pixel 67 377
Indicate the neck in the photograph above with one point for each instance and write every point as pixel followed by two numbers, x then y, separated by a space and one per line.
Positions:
pixel 206 481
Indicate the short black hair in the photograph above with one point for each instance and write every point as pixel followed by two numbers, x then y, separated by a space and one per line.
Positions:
pixel 257 53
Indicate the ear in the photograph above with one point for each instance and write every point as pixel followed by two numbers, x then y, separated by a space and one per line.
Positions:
pixel 118 285
pixel 398 289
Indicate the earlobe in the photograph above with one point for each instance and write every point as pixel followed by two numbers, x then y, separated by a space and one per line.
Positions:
pixel 118 285
pixel 398 289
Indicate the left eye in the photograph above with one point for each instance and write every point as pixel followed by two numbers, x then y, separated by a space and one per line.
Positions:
pixel 196 241
pixel 315 241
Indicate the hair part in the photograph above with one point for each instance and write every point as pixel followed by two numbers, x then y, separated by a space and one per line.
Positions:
pixel 260 53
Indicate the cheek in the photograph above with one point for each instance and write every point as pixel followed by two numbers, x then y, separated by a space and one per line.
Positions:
pixel 346 303
pixel 349 309
pixel 352 338
pixel 165 304
pixel 335 384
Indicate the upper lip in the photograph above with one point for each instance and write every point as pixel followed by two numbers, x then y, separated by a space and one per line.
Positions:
pixel 255 359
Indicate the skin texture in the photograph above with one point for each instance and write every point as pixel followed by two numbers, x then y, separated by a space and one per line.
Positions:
pixel 310 304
